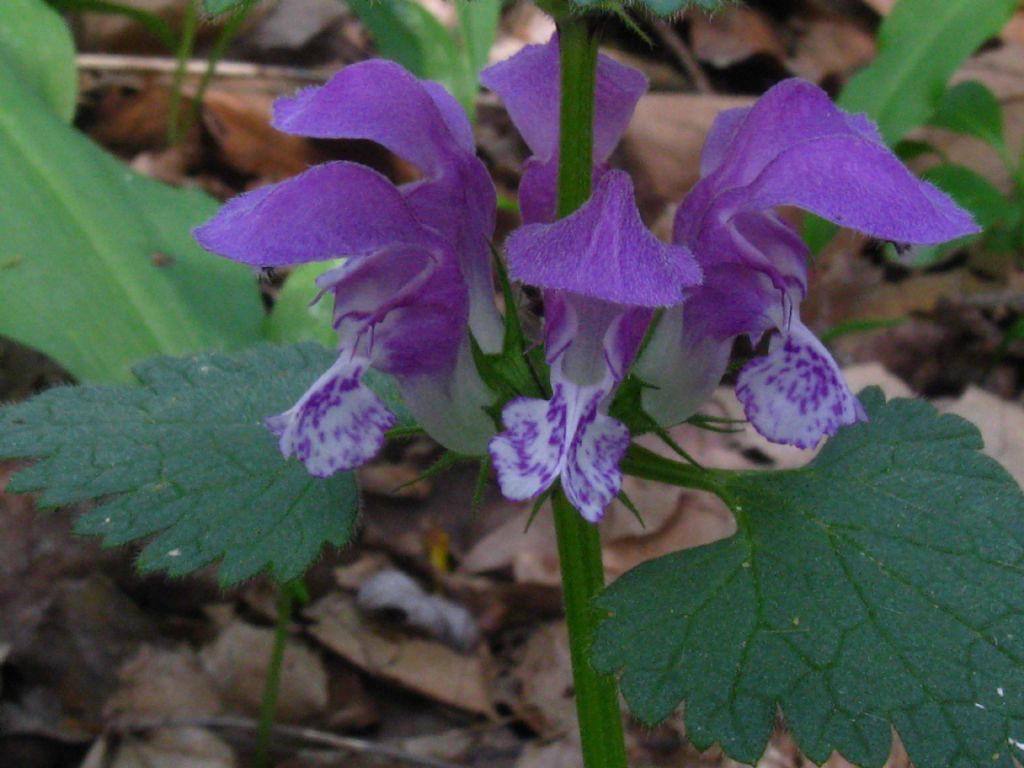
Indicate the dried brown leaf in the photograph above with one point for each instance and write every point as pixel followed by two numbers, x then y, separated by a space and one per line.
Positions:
pixel 429 668
pixel 237 660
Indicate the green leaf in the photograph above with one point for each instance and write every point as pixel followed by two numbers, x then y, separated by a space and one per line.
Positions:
pixel 98 268
pixel 876 587
pixel 295 317
pixel 973 109
pixel 921 43
pixel 217 7
pixel 187 460
pixel 152 22
pixel 35 41
pixel 478 23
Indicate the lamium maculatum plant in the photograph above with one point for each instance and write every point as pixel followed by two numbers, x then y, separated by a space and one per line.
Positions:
pixel 871 591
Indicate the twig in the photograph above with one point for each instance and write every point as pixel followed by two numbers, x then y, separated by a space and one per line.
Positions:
pixel 682 53
pixel 107 62
pixel 308 735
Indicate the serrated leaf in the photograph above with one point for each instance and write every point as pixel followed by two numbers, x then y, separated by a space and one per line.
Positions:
pixel 184 458
pixel 972 109
pixel 36 42
pixel 920 44
pixel 877 587
pixel 98 268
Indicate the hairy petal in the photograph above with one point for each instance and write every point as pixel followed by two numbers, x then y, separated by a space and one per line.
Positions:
pixel 723 131
pixel 450 403
pixel 380 101
pixel 860 185
pixel 330 211
pixel 337 425
pixel 529 84
pixel 592 477
pixel 603 251
pixel 796 393
pixel 680 367
pixel 530 453
pixel 406 305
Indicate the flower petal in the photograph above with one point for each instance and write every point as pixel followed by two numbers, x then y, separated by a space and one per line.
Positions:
pixel 861 185
pixel 407 304
pixel 592 478
pixel 528 455
pixel 332 210
pixel 796 394
pixel 450 403
pixel 723 131
pixel 529 84
pixel 337 425
pixel 380 101
pixel 680 368
pixel 603 251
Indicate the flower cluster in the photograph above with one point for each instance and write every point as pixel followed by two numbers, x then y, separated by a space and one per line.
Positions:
pixel 414 297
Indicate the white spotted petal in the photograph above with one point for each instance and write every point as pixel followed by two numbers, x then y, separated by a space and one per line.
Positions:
pixel 796 393
pixel 338 424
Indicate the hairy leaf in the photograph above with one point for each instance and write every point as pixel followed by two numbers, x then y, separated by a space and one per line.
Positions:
pixel 97 265
pixel 876 588
pixel 185 459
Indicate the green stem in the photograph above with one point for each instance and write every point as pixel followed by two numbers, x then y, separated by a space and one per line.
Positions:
pixel 597 698
pixel 579 544
pixel 220 46
pixel 643 463
pixel 272 681
pixel 189 27
pixel 576 141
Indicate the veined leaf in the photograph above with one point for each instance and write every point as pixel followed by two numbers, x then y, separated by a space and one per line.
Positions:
pixel 97 264
pixel 35 41
pixel 876 588
pixel 920 44
pixel 184 458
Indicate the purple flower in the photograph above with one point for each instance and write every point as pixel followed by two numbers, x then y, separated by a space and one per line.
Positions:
pixel 603 273
pixel 529 85
pixel 416 276
pixel 793 147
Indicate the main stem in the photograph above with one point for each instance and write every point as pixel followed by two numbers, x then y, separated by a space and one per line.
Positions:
pixel 579 544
